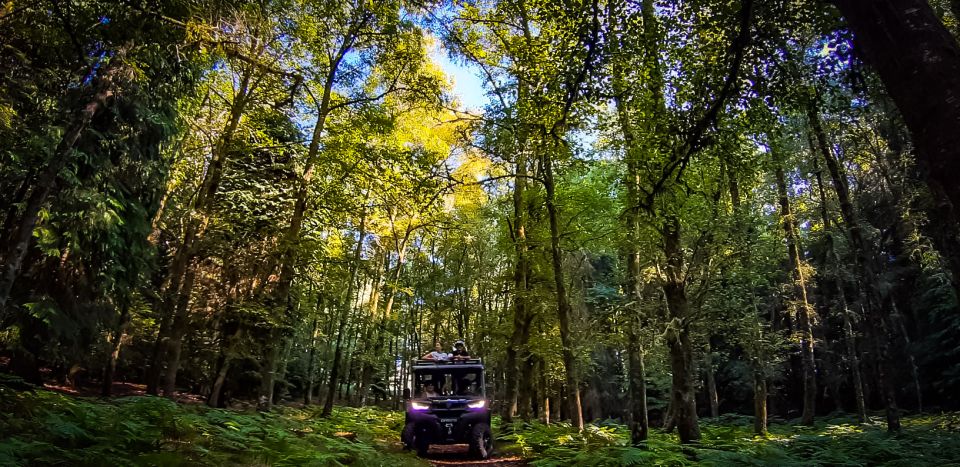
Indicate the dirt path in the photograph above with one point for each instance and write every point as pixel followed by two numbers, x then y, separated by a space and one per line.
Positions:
pixel 456 455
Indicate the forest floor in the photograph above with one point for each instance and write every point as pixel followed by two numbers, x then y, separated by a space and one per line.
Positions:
pixel 41 427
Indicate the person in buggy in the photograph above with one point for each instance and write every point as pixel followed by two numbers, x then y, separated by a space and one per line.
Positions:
pixel 429 390
pixel 460 351
pixel 436 354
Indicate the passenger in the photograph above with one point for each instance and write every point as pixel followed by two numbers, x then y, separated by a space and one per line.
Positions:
pixel 437 353
pixel 460 351
pixel 466 388
pixel 429 390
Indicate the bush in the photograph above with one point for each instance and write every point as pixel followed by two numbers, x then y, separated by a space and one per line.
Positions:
pixel 39 427
pixel 925 440
pixel 46 428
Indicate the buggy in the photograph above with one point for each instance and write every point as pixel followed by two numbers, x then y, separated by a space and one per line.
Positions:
pixel 455 412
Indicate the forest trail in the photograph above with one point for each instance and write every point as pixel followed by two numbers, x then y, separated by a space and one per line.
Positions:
pixel 456 455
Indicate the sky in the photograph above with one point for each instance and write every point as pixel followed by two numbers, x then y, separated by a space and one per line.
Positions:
pixel 467 84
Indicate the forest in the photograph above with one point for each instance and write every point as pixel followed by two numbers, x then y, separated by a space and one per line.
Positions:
pixel 676 232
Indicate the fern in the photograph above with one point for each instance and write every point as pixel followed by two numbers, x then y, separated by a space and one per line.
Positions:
pixel 44 428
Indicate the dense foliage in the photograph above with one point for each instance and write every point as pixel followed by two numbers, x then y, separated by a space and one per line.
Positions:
pixel 45 428
pixel 663 210
pixel 729 440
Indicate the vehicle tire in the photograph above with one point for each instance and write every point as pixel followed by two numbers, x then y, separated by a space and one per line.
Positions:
pixel 408 436
pixel 481 441
pixel 414 438
pixel 422 443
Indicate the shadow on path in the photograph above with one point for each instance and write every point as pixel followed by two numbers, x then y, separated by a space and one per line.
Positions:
pixel 458 454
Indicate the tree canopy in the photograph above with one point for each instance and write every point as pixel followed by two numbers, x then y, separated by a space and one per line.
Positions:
pixel 666 210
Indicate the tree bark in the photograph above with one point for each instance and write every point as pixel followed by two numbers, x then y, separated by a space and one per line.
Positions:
pixel 344 315
pixel 527 391
pixel 918 61
pixel 639 421
pixel 801 304
pixel 845 313
pixel 312 362
pixel 683 401
pixel 711 384
pixel 563 301
pixel 897 319
pixel 877 321
pixel 217 389
pixel 49 181
pixel 759 403
pixel 181 322
pixel 180 275
pixel 115 344
pixel 544 392
pixel 520 284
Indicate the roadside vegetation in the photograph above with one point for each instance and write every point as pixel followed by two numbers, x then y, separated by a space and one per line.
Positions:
pixel 729 440
pixel 40 427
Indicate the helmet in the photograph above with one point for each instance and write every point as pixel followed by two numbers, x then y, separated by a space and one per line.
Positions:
pixel 459 342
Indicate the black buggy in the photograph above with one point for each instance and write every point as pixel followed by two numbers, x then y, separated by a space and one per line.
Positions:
pixel 449 406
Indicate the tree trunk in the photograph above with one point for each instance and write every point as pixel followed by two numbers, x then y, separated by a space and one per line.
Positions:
pixel 178 330
pixel 897 319
pixel 291 235
pixel 281 370
pixel 275 341
pixel 49 182
pixel 563 301
pixel 759 403
pixel 918 61
pixel 683 401
pixel 154 370
pixel 180 275
pixel 349 355
pixel 711 384
pixel 639 421
pixel 876 319
pixel 344 315
pixel 801 304
pixel 527 391
pixel 312 362
pixel 544 393
pixel 848 335
pixel 335 364
pixel 217 390
pixel 116 343
pixel 520 284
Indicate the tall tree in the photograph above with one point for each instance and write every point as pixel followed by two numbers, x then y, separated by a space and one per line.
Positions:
pixel 801 306
pixel 926 88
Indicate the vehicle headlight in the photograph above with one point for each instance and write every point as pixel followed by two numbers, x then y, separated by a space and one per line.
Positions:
pixel 419 406
pixel 477 404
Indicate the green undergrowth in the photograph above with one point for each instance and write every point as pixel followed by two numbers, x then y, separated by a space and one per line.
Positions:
pixel 928 440
pixel 40 427
pixel 47 428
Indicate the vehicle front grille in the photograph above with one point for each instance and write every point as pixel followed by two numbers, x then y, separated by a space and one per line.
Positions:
pixel 442 405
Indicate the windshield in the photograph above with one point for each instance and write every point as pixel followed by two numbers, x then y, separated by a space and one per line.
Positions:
pixel 447 382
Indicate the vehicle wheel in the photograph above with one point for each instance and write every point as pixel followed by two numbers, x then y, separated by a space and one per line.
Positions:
pixel 408 436
pixel 413 438
pixel 481 441
pixel 422 443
